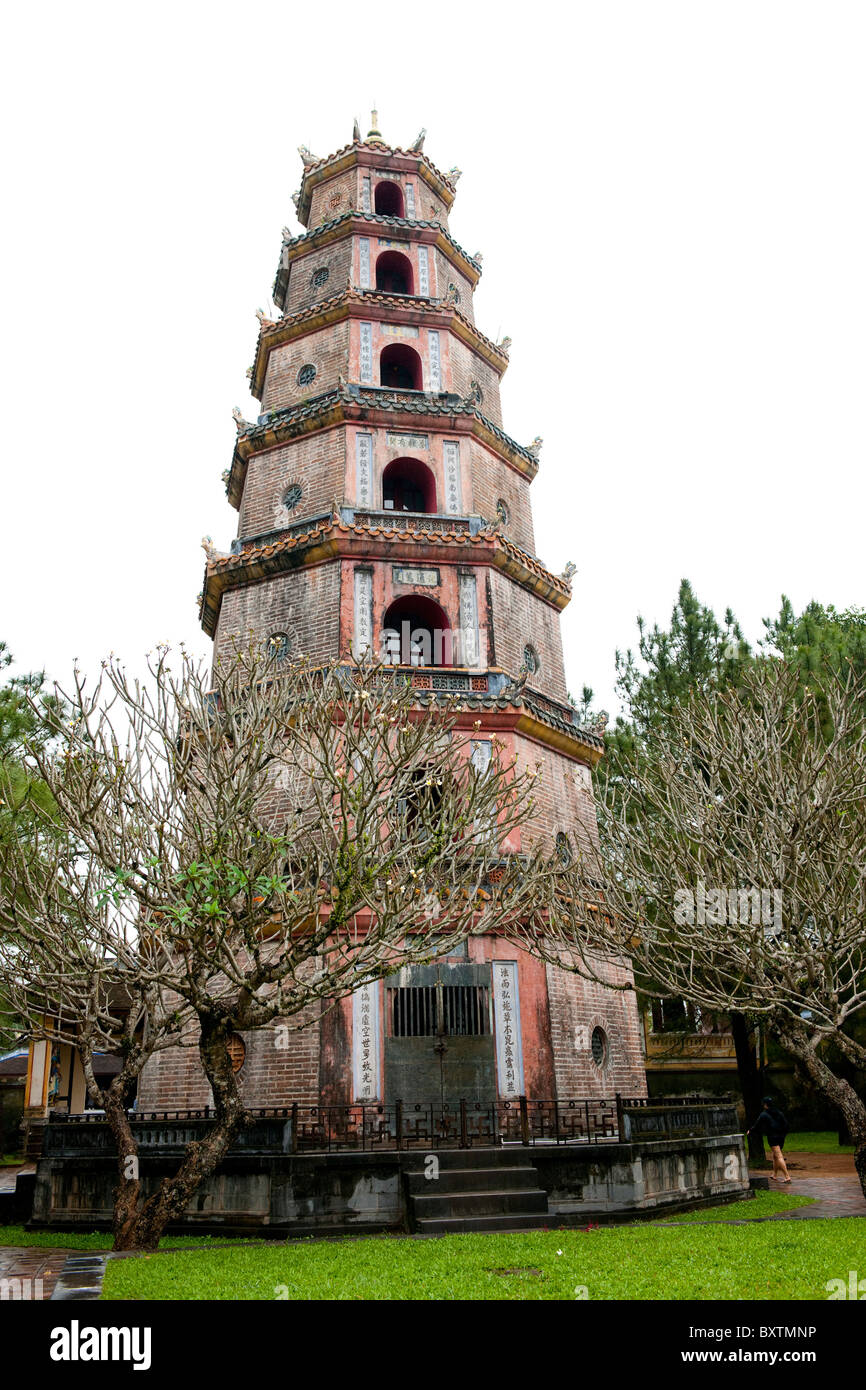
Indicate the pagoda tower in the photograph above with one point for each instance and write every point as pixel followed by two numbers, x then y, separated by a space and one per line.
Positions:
pixel 383 508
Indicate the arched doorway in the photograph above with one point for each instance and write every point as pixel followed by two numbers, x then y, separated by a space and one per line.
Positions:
pixel 416 632
pixel 394 273
pixel 388 199
pixel 400 368
pixel 408 485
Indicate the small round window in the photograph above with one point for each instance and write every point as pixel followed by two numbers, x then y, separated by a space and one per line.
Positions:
pixel 502 512
pixel 306 374
pixel 278 645
pixel 530 659
pixel 320 276
pixel 237 1050
pixel 598 1045
pixel 563 848
pixel 291 497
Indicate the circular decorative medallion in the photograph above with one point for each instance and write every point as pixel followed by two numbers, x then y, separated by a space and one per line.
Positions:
pixel 502 512
pixel 530 659
pixel 337 198
pixel 292 496
pixel 563 848
pixel 306 374
pixel 319 276
pixel 598 1045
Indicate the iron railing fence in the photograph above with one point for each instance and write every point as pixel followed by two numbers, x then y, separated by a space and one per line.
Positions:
pixel 313 1128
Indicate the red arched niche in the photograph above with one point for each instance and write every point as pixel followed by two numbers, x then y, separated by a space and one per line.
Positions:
pixel 408 485
pixel 416 632
pixel 394 273
pixel 388 199
pixel 400 368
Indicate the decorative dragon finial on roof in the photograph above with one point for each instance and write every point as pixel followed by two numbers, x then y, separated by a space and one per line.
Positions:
pixel 307 156
pixel 569 570
pixel 240 422
pixel 504 345
pixel 418 145
pixel 356 132
pixel 453 174
pixel 515 687
pixel 535 447
pixel 210 550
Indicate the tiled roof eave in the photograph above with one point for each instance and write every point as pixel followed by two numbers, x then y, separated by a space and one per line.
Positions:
pixel 344 158
pixel 333 539
pixel 358 402
pixel 580 744
pixel 329 231
pixel 374 303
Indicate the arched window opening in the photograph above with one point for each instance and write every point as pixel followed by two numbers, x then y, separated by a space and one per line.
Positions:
pixel 421 801
pixel 278 646
pixel 400 368
pixel 394 273
pixel 416 632
pixel 388 199
pixel 599 1046
pixel 408 486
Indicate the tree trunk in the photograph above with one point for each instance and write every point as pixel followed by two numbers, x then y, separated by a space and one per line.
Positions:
pixel 749 1074
pixel 144 1225
pixel 128 1190
pixel 795 1039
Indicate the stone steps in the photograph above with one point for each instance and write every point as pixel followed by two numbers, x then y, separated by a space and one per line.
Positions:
pixel 444 1226
pixel 477 1191
pixel 474 1180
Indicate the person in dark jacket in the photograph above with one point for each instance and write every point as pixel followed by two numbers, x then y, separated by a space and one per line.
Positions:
pixel 772 1122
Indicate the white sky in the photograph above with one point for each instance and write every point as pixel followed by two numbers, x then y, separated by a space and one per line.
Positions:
pixel 671 204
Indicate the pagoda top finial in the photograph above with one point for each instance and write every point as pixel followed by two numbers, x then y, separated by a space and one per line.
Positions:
pixel 374 133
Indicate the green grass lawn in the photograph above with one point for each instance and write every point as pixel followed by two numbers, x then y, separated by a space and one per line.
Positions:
pixel 816 1142
pixel 773 1260
pixel 95 1240
pixel 752 1209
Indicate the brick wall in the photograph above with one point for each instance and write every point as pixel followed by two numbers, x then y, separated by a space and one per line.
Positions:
pixel 562 794
pixel 326 349
pixel 281 1066
pixel 336 258
pixel 315 462
pixel 448 274
pixel 303 603
pixel 579 1006
pixel 519 617
pixel 490 479
pixel 467 367
pixel 332 198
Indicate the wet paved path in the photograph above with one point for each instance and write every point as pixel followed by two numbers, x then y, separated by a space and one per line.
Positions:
pixel 36 1269
pixel 836 1194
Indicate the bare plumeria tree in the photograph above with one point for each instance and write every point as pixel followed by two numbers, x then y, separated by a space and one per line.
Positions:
pixel 732 870
pixel 240 849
